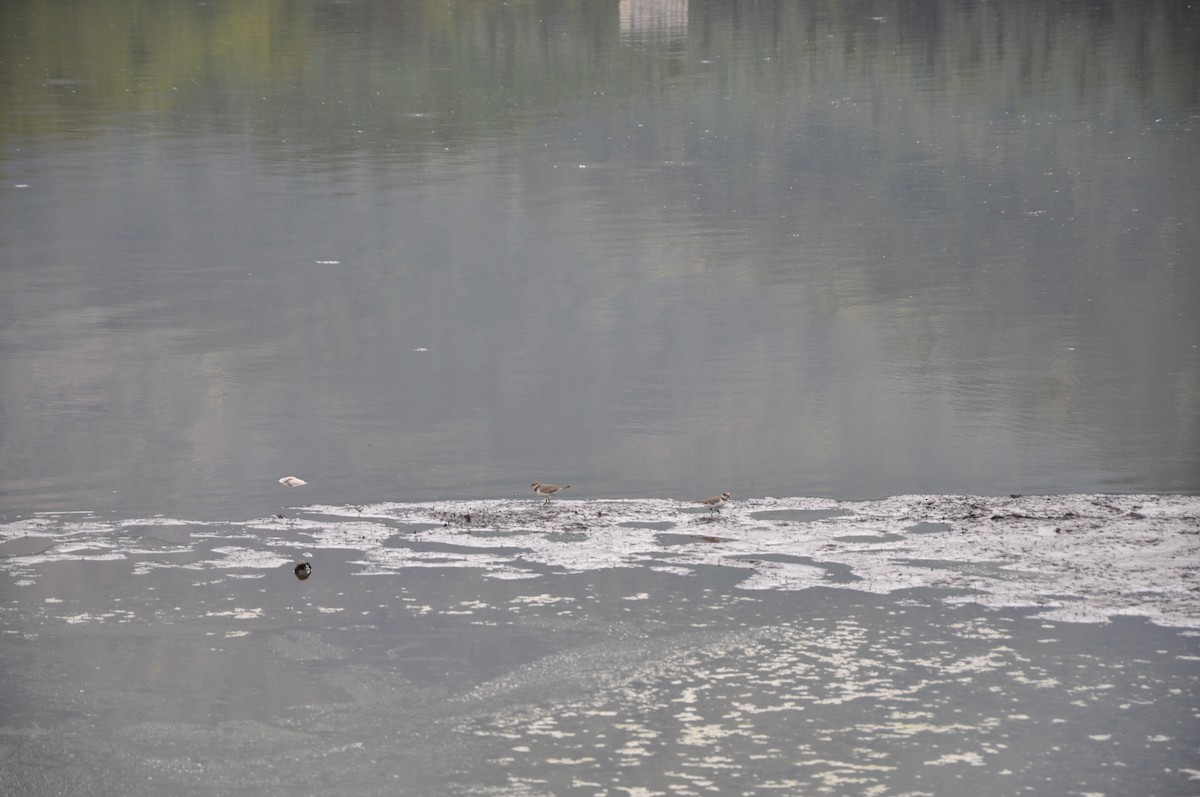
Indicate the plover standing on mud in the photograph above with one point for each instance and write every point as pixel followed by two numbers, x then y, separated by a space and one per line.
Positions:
pixel 715 503
pixel 547 490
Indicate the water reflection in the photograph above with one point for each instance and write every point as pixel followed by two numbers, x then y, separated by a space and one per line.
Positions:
pixel 444 248
pixel 653 19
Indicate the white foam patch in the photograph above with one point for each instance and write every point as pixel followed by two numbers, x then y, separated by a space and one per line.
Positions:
pixel 705 708
pixel 1083 558
pixel 238 613
pixel 970 759
pixel 246 557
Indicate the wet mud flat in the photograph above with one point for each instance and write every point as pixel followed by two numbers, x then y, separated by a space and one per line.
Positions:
pixel 744 654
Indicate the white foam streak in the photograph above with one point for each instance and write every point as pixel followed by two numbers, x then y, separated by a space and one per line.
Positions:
pixel 1080 558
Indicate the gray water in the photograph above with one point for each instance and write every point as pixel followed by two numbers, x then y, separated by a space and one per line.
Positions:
pixel 433 251
pixel 446 249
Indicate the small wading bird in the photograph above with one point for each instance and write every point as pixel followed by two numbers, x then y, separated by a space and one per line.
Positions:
pixel 303 570
pixel 715 503
pixel 547 490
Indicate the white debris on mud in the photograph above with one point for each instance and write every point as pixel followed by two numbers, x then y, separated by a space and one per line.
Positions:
pixel 1082 558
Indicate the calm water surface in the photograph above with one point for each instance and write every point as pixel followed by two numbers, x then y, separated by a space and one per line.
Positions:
pixel 442 249
pixel 431 250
